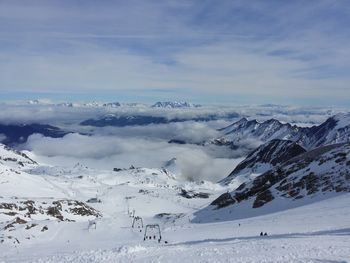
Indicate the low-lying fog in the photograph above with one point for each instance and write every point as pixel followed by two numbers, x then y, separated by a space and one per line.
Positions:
pixel 145 146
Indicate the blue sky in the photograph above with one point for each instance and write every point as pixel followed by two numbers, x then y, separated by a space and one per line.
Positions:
pixel 290 52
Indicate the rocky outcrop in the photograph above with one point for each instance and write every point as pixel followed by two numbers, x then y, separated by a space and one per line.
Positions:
pixel 323 170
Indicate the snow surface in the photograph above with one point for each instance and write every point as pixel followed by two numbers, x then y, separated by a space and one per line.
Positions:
pixel 317 232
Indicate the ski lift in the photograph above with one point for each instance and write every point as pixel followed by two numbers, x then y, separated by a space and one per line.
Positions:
pixel 92 224
pixel 132 213
pixel 127 198
pixel 152 232
pixel 137 223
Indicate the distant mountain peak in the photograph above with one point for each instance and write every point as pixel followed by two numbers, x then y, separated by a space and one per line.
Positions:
pixel 112 104
pixel 174 104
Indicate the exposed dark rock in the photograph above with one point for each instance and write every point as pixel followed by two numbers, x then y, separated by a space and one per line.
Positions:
pixel 54 211
pixel 31 226
pixel 8 206
pixel 169 216
pixel 177 141
pixel 192 194
pixel 263 198
pixel 223 200
pixel 94 200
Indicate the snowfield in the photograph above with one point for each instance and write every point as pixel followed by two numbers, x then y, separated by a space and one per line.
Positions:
pixel 314 233
pixel 78 214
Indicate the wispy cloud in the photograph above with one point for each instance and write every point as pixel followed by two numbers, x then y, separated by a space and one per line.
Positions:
pixel 263 50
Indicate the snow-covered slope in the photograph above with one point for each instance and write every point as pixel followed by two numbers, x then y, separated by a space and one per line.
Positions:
pixel 46 195
pixel 78 214
pixel 17 183
pixel 262 132
pixel 13 158
pixel 334 130
pixel 318 232
pixel 309 177
pixel 262 159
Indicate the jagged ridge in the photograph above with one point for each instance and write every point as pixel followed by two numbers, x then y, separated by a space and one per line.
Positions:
pixel 335 129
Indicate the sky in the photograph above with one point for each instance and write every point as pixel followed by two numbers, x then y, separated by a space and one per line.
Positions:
pixel 282 52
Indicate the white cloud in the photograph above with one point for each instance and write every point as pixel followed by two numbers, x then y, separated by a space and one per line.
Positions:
pixel 147 146
pixel 227 49
pixel 108 152
pixel 50 113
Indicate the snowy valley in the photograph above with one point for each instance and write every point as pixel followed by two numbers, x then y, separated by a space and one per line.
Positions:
pixel 207 199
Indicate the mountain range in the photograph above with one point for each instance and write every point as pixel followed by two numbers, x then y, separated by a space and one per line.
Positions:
pixel 335 129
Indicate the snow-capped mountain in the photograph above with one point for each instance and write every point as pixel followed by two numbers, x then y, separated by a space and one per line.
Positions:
pixel 174 104
pixel 66 104
pixel 112 104
pixel 93 104
pixel 335 129
pixel 262 159
pixel 308 177
pixel 244 130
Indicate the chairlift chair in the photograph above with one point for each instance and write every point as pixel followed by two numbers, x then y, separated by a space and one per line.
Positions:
pixel 132 213
pixel 152 229
pixel 137 221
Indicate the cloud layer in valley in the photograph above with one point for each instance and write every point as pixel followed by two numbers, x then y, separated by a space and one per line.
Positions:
pixel 108 152
pixel 146 146
pixel 57 113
